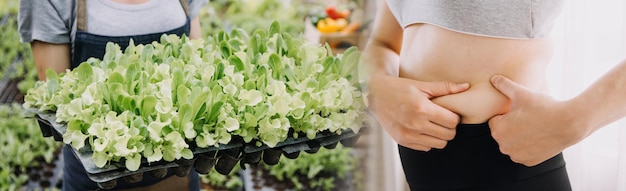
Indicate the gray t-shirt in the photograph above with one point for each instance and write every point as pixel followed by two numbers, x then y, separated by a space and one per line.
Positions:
pixel 53 21
pixel 515 19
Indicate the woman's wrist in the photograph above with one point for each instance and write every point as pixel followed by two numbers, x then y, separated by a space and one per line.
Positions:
pixel 579 117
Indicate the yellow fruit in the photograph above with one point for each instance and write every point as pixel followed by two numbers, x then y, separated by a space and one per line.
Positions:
pixel 330 25
pixel 327 25
pixel 341 23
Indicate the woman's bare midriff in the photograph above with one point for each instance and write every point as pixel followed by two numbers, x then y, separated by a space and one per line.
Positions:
pixel 430 53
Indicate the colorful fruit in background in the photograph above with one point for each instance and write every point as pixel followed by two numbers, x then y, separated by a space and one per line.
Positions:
pixel 352 27
pixel 333 13
pixel 334 20
pixel 329 25
pixel 345 13
pixel 341 23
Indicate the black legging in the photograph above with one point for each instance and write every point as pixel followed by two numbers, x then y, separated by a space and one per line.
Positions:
pixel 473 161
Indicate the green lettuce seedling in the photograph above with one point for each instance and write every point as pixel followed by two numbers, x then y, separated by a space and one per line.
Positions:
pixel 153 101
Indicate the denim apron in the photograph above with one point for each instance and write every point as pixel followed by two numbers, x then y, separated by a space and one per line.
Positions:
pixel 88 45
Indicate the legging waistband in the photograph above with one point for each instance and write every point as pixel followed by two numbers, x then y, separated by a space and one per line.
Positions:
pixel 466 131
pixel 472 159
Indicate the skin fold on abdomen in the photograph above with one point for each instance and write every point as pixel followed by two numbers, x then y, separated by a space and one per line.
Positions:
pixel 430 53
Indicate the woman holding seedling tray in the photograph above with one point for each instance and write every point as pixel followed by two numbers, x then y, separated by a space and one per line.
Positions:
pixel 65 33
pixel 180 100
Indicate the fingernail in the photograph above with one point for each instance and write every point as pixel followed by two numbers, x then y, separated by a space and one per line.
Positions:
pixel 465 85
pixel 494 78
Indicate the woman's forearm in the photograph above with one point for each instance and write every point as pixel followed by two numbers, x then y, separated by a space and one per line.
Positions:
pixel 381 55
pixel 538 127
pixel 603 102
pixel 50 56
pixel 380 59
pixel 195 29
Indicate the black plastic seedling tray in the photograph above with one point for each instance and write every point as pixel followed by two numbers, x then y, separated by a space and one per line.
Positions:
pixel 9 93
pixel 223 158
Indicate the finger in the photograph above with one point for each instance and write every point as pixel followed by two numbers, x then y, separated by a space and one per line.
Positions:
pixel 428 141
pixel 443 117
pixel 507 87
pixel 434 130
pixel 531 163
pixel 408 136
pixel 440 132
pixel 494 126
pixel 494 121
pixel 436 89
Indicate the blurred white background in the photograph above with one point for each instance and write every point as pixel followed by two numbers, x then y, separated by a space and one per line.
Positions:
pixel 590 38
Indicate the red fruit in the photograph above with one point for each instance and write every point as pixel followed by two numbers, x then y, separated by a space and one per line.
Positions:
pixel 331 11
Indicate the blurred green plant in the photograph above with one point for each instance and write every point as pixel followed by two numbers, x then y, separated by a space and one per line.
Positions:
pixel 20 146
pixel 321 169
pixel 13 53
pixel 218 181
pixel 251 15
pixel 9 7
